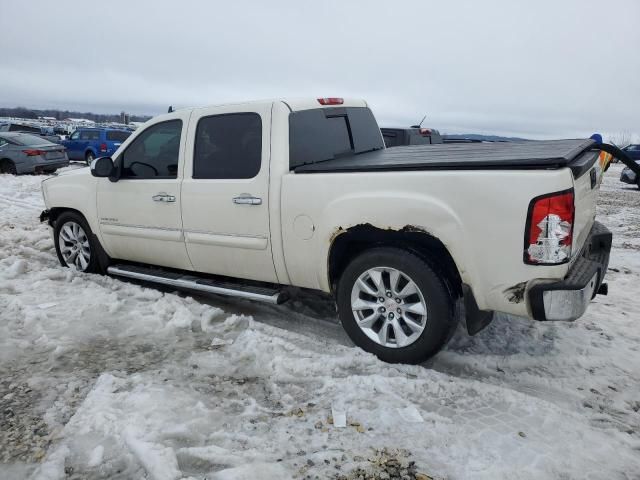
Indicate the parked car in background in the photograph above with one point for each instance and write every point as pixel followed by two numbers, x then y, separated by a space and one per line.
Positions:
pixel 26 153
pixel 395 137
pixel 42 132
pixel 627 175
pixel 86 144
pixel 633 151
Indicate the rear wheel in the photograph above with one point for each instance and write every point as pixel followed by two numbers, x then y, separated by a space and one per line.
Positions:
pixel 392 304
pixel 89 157
pixel 75 245
pixel 7 166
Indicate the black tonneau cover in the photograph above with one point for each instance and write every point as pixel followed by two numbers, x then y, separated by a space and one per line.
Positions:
pixel 504 155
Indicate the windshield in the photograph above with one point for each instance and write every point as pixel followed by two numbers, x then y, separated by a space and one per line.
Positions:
pixel 323 134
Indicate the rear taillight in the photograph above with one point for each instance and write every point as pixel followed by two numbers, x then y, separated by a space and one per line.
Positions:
pixel 549 230
pixel 33 152
pixel 331 101
pixel 103 147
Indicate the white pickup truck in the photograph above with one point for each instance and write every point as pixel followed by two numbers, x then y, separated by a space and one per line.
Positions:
pixel 251 198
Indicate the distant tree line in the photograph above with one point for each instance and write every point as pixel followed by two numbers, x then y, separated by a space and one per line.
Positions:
pixel 22 112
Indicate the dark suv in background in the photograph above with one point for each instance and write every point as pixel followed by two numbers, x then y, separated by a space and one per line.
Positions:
pixel 85 144
pixel 395 137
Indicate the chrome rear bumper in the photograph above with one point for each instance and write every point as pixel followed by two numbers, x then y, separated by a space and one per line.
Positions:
pixel 569 298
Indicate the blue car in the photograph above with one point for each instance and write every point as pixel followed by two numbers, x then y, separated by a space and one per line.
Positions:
pixel 85 144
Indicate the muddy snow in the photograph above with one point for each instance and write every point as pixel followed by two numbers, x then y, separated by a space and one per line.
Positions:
pixel 101 378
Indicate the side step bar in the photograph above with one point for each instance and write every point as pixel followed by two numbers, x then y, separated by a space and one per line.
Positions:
pixel 190 282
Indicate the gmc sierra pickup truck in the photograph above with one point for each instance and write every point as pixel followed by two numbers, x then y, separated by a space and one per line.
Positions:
pixel 247 199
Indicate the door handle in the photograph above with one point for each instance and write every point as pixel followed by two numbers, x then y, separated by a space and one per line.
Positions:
pixel 163 197
pixel 246 199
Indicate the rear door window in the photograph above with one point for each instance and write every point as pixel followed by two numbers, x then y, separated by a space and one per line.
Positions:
pixel 323 134
pixel 90 135
pixel 228 146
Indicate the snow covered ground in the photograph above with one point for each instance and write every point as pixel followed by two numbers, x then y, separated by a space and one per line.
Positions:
pixel 100 378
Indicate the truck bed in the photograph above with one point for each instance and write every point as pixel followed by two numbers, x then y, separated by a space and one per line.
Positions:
pixel 547 154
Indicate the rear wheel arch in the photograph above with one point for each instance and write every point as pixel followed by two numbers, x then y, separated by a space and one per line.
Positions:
pixel 356 240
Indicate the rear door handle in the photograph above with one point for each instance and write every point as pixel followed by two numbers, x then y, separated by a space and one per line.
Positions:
pixel 247 200
pixel 163 197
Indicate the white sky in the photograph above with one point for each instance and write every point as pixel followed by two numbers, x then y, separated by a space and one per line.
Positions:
pixel 529 68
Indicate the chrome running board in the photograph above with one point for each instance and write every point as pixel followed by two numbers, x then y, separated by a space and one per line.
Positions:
pixel 190 282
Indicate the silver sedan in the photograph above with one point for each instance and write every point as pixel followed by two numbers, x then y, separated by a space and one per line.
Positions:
pixel 26 153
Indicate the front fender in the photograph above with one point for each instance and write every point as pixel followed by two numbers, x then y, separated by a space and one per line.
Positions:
pixel 75 190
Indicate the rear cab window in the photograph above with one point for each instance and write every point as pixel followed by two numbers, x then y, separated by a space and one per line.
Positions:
pixel 392 138
pixel 322 134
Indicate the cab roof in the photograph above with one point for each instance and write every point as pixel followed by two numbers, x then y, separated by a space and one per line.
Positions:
pixel 294 104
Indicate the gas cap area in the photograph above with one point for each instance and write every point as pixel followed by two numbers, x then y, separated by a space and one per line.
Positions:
pixel 303 227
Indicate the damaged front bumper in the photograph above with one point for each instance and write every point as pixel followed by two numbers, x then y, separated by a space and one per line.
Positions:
pixel 44 216
pixel 568 299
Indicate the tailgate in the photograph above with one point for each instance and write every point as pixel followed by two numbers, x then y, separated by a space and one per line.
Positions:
pixel 586 185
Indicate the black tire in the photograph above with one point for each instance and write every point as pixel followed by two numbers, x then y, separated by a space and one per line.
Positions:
pixel 50 171
pixel 8 167
pixel 68 218
pixel 439 305
pixel 89 157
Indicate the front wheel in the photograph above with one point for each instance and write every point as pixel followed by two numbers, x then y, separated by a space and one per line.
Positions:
pixel 75 245
pixel 89 157
pixel 392 304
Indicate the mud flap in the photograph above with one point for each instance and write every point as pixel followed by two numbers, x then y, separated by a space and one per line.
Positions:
pixel 477 320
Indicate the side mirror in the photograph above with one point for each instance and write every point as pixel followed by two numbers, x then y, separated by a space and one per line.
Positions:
pixel 102 167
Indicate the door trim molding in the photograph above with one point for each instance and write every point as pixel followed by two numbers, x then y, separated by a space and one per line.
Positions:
pixel 249 242
pixel 142 231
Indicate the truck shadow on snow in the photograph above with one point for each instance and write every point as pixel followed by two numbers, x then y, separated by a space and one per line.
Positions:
pixel 314 314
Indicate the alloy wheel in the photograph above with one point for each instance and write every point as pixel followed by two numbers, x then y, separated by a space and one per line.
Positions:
pixel 74 246
pixel 388 307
